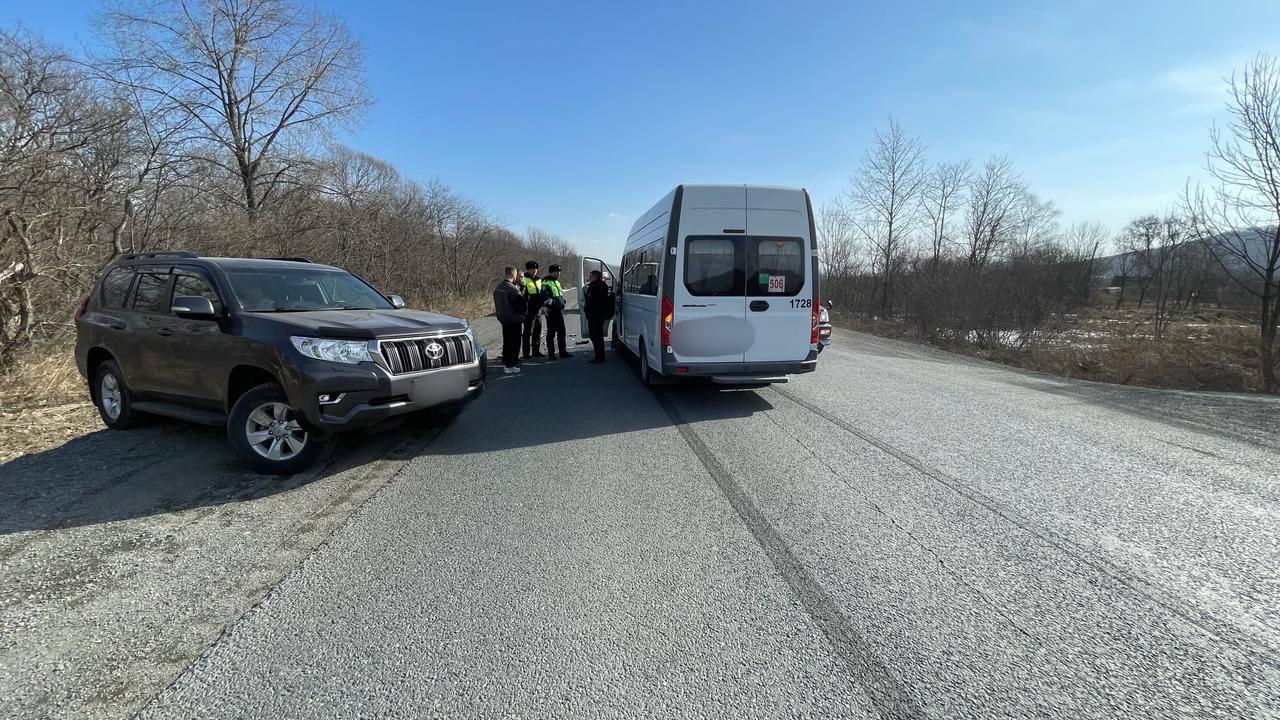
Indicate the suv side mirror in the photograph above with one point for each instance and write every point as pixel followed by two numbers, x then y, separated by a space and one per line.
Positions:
pixel 397 302
pixel 193 307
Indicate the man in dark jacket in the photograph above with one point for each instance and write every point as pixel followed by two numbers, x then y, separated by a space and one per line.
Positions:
pixel 510 306
pixel 553 301
pixel 598 301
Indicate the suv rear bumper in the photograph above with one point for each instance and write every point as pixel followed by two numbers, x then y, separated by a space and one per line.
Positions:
pixel 365 397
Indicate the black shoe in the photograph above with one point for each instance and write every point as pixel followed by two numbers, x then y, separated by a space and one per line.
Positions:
pixel 536 354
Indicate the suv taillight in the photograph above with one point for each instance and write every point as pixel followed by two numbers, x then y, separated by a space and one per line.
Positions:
pixel 813 322
pixel 84 305
pixel 668 316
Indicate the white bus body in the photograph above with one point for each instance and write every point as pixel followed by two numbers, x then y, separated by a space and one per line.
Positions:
pixel 721 281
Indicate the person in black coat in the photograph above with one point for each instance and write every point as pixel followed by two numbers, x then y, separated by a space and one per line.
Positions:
pixel 510 306
pixel 598 305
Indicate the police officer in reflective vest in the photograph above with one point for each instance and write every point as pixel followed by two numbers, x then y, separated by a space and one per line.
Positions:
pixel 531 335
pixel 553 300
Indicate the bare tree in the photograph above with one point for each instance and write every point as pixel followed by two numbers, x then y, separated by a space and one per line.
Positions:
pixel 993 197
pixel 1083 241
pixel 1238 217
pixel 1154 243
pixel 60 158
pixel 254 78
pixel 884 200
pixel 941 196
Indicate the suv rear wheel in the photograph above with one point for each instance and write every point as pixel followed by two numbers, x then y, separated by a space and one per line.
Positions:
pixel 264 430
pixel 112 397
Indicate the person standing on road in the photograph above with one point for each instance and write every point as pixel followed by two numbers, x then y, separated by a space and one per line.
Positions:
pixel 531 338
pixel 509 305
pixel 599 308
pixel 553 300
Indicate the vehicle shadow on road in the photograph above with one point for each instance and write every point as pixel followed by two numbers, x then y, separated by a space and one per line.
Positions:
pixel 571 399
pixel 166 466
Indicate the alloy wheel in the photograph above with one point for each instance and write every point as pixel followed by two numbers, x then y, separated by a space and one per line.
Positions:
pixel 109 395
pixel 274 433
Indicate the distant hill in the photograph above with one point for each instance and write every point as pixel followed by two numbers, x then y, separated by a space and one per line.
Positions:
pixel 1126 264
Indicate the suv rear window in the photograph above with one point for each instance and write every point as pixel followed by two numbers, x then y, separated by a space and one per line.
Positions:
pixel 115 286
pixel 150 294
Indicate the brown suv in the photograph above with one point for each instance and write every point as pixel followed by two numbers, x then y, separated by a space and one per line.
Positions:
pixel 280 351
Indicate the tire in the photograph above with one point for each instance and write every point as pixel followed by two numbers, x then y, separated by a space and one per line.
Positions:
pixel 112 397
pixel 646 373
pixel 265 433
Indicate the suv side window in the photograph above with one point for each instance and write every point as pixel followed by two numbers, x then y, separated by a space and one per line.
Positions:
pixel 115 286
pixel 186 282
pixel 151 292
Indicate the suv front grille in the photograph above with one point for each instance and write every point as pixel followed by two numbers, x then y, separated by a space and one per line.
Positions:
pixel 415 355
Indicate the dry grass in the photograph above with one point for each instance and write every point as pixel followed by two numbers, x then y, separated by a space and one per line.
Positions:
pixel 43 401
pixel 1207 351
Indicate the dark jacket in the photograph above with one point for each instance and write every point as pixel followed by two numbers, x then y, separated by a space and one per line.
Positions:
pixel 508 303
pixel 598 301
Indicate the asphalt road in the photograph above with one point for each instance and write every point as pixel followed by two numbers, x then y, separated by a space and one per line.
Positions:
pixel 903 533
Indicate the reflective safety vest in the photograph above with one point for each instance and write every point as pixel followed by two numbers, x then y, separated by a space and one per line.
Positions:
pixel 533 286
pixel 553 285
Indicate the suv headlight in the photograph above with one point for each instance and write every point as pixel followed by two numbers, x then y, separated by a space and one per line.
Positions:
pixel 342 351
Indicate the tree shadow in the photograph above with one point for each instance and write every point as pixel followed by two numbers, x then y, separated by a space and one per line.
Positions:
pixel 169 466
pixel 163 467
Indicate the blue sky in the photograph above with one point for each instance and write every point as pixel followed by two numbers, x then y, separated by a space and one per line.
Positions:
pixel 576 117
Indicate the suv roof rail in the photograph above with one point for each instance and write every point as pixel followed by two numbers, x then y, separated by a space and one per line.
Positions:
pixel 162 254
pixel 289 259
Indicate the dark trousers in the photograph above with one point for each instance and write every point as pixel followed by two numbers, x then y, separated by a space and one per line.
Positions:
pixel 510 344
pixel 595 329
pixel 555 331
pixel 532 335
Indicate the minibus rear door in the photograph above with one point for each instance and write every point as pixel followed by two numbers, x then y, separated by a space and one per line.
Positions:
pixel 585 268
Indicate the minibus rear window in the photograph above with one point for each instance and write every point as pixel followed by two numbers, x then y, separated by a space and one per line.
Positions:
pixel 713 266
pixel 777 267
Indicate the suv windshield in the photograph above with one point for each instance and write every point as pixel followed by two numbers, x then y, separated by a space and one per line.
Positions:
pixel 302 289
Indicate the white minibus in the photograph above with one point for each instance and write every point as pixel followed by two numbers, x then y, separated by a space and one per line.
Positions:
pixel 719 282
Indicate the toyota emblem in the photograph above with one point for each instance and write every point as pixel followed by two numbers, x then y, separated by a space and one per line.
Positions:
pixel 435 350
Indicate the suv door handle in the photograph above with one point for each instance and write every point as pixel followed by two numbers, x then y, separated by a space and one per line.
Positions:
pixel 759 305
pixel 164 332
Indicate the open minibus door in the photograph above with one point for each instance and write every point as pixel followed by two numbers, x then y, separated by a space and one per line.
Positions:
pixel 588 264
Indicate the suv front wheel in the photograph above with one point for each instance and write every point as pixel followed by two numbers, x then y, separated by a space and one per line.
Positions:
pixel 266 433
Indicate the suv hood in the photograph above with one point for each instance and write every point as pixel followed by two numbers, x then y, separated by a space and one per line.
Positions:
pixel 364 324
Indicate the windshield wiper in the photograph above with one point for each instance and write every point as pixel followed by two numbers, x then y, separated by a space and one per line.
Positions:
pixel 284 310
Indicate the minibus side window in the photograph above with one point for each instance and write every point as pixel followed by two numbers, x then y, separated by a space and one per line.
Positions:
pixel 713 266
pixel 776 267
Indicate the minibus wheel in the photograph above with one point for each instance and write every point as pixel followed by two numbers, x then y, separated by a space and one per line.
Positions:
pixel 646 375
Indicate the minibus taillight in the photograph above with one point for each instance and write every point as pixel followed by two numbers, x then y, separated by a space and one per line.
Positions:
pixel 668 316
pixel 813 321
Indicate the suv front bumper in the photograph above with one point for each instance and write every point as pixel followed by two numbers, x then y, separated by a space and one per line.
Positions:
pixel 363 395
